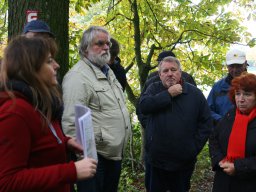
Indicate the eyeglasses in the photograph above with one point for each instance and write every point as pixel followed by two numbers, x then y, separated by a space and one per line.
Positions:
pixel 101 43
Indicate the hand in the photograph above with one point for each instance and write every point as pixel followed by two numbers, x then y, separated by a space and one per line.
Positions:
pixel 74 146
pixel 85 168
pixel 175 90
pixel 228 167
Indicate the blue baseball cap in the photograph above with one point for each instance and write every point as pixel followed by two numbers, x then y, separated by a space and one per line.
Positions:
pixel 37 26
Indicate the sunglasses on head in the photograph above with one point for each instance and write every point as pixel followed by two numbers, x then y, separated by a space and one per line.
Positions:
pixel 101 43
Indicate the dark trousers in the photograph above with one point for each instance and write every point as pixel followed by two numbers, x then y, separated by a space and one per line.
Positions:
pixel 106 178
pixel 147 172
pixel 174 181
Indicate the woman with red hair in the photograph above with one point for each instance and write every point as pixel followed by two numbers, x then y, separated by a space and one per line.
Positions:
pixel 233 142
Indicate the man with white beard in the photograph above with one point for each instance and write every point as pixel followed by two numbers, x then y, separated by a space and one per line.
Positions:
pixel 92 83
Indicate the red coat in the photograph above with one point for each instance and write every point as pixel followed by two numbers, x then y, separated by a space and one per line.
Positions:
pixel 30 157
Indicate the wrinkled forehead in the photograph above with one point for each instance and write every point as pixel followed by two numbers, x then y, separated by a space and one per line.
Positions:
pixel 101 35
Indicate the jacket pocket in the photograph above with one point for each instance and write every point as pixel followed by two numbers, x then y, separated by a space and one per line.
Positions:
pixel 104 98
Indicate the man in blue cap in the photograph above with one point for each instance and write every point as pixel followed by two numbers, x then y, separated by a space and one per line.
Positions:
pixel 37 28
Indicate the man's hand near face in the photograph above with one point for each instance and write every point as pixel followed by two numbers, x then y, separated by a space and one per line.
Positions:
pixel 175 90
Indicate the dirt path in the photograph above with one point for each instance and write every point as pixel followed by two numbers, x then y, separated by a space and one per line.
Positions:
pixel 204 184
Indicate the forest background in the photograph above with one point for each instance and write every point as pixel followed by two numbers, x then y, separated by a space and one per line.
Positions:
pixel 199 32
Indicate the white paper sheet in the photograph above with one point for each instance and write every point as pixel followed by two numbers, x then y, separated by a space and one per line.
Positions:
pixel 84 131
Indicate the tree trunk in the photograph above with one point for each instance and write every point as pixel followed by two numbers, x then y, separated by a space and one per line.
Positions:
pixel 54 12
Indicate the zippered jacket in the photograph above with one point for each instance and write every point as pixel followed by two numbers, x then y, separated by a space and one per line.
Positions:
pixel 218 100
pixel 177 127
pixel 245 169
pixel 32 158
pixel 86 84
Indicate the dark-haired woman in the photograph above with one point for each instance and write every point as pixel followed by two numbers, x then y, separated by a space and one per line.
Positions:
pixel 233 142
pixel 32 145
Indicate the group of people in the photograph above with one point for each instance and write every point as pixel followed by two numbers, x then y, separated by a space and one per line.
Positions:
pixel 178 121
pixel 32 145
pixel 232 101
pixel 37 119
pixel 37 114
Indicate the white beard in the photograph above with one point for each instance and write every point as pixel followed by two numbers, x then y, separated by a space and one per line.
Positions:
pixel 99 59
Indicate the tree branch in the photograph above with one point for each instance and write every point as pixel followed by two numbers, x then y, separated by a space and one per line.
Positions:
pixel 130 65
pixel 132 98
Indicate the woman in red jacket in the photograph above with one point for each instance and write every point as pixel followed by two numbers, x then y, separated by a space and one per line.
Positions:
pixel 32 145
pixel 232 144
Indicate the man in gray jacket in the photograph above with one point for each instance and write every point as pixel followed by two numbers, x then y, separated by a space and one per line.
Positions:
pixel 92 83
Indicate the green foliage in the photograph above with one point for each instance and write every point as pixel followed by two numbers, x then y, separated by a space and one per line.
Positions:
pixel 202 166
pixel 132 176
pixel 252 42
pixel 199 34
pixel 74 45
pixel 80 5
pixel 202 178
pixel 3 25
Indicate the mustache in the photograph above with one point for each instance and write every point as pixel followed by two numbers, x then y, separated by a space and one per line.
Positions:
pixel 105 54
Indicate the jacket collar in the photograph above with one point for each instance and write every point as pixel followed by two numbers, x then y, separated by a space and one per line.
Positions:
pixel 97 71
pixel 185 88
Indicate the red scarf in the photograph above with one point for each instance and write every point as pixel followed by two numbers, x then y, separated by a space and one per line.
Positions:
pixel 237 138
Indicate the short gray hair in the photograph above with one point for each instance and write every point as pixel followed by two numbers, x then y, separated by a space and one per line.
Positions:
pixel 88 37
pixel 169 59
